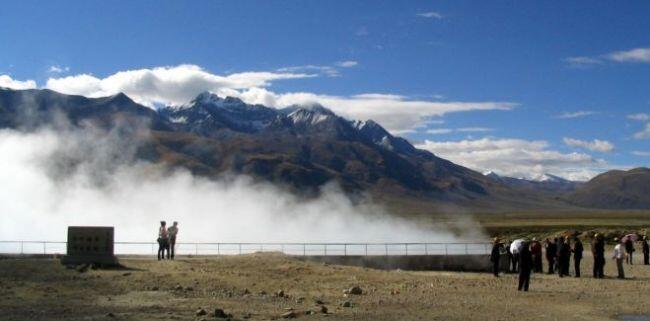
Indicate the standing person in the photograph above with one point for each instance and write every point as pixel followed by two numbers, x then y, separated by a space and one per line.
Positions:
pixel 536 251
pixel 646 250
pixel 598 252
pixel 172 231
pixel 619 256
pixel 163 241
pixel 577 250
pixel 514 249
pixel 495 256
pixel 525 266
pixel 508 255
pixel 629 249
pixel 551 249
pixel 564 256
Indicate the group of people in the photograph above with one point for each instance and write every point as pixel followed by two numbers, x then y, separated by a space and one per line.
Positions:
pixel 167 240
pixel 525 257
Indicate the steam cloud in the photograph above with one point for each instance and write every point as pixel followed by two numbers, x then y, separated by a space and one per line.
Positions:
pixel 52 179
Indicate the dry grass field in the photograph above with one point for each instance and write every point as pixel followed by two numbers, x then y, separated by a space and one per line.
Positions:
pixel 247 288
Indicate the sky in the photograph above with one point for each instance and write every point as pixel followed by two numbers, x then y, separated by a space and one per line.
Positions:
pixel 520 88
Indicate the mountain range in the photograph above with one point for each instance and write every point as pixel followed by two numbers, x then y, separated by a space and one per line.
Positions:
pixel 305 147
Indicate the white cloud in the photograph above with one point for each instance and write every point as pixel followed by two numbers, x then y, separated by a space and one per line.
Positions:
pixel 430 14
pixel 328 71
pixel 596 145
pixel 641 153
pixel 394 112
pixel 636 55
pixel 577 114
pixel 639 117
pixel 515 158
pixel 582 61
pixel 438 131
pixel 347 63
pixel 178 85
pixel 8 82
pixel 633 55
pixel 56 69
pixel 644 133
pixel 164 85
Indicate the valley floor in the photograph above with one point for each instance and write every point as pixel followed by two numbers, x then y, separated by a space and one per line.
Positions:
pixel 246 287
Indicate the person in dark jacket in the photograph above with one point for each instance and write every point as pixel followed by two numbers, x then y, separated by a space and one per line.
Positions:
pixel 577 250
pixel 495 256
pixel 629 249
pixel 551 250
pixel 598 252
pixel 564 256
pixel 508 255
pixel 646 250
pixel 536 251
pixel 525 267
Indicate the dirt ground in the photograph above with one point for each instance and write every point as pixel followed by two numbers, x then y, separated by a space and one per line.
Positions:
pixel 246 287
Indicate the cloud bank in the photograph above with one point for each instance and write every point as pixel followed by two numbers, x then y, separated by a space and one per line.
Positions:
pixel 516 158
pixel 596 145
pixel 178 85
pixel 8 82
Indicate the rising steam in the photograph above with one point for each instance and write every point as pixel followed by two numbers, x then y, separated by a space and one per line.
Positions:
pixel 55 178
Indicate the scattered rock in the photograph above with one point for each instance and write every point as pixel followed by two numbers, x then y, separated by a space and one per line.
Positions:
pixel 355 290
pixel 323 309
pixel 201 312
pixel 246 291
pixel 110 315
pixel 346 304
pixel 82 268
pixel 280 294
pixel 289 315
pixel 178 287
pixel 155 288
pixel 189 289
pixel 220 314
pixel 319 301
pixel 126 274
pixel 300 300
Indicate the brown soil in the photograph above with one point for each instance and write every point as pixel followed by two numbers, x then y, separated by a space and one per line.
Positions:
pixel 246 286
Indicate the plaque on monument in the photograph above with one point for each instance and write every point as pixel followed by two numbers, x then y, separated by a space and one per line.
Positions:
pixel 90 245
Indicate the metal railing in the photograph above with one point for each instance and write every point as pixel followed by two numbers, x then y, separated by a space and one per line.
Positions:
pixel 299 249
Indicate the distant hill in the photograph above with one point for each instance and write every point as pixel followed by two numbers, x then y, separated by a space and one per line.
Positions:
pixel 615 189
pixel 547 184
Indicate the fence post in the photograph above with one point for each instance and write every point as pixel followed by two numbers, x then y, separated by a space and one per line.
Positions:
pixel 345 250
pixel 196 249
pixel 466 250
pixel 44 244
pixel 446 252
pixel 304 249
pixel 386 246
pixel 366 245
pixel 406 248
pixel 21 247
pixel 218 248
pixel 325 245
pixel 426 248
pixel 239 248
pixel 282 248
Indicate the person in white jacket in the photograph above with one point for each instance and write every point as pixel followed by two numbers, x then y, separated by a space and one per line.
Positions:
pixel 619 257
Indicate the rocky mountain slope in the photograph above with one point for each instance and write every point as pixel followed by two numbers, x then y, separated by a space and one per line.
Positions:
pixel 299 147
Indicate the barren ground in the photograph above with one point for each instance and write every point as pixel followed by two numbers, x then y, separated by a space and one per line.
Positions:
pixel 246 286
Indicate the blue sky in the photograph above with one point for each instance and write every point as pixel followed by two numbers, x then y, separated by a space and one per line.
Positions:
pixel 521 88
